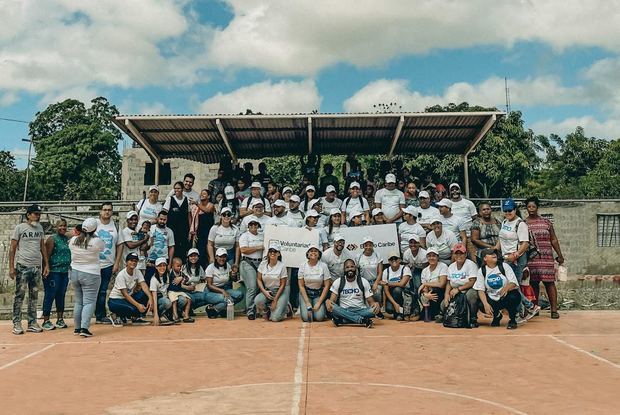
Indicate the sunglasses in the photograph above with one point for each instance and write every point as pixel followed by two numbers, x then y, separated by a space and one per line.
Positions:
pixel 228 215
pixel 272 251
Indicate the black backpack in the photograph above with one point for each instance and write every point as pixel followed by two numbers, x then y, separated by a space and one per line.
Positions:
pixel 458 313
pixel 343 281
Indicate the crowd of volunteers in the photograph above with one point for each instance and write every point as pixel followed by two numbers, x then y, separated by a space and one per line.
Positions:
pixel 206 250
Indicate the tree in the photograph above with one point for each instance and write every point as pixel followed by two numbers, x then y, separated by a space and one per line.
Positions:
pixel 11 179
pixel 76 151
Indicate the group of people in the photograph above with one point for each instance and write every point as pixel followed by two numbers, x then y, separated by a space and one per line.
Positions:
pixel 207 249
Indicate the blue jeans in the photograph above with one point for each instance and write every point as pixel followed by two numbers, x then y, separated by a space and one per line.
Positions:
pixel 55 286
pixel 261 302
pixel 248 276
pixel 354 315
pixel 303 308
pixel 163 305
pixel 106 275
pixel 397 295
pixel 26 277
pixel 219 301
pixel 85 287
pixel 123 308
pixel 518 270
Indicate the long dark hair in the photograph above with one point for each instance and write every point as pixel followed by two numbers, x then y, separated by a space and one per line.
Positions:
pixel 188 268
pixel 159 278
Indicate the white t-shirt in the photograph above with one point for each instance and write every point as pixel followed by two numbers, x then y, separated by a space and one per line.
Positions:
pixel 276 221
pixel 191 274
pixel 427 215
pixel 86 260
pixel 109 235
pixel 454 224
pixel 405 231
pixel 148 211
pixel 247 240
pixel 351 297
pixel 159 287
pixel 314 276
pixel 177 200
pixel 130 235
pixel 418 261
pixel 464 209
pixel 272 275
pixel 247 200
pixel 368 265
pixel 328 206
pixel 335 263
pixel 223 237
pixel 262 220
pixel 432 276
pixel 162 240
pixel 443 243
pixel 510 236
pixel 359 203
pixel 459 277
pixel 391 201
pixel 330 236
pixel 125 281
pixel 494 281
pixel 192 194
pixel 221 276
pixel 295 219
pixel 389 275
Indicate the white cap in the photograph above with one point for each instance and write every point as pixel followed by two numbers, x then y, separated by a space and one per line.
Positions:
pixel 330 189
pixel 335 211
pixel 89 225
pixel 251 221
pixel 280 203
pixel 310 187
pixel 376 211
pixel 312 214
pixel 160 261
pixel 435 219
pixel 425 194
pixel 256 184
pixel 312 203
pixel 313 246
pixel 256 201
pixel 275 245
pixel 411 210
pixel 287 189
pixel 454 185
pixel 354 184
pixel 193 251
pixel 367 239
pixel 355 212
pixel 295 198
pixel 390 178
pixel 221 252
pixel 445 202
pixel 229 192
pixel 338 237
pixel 153 188
pixel 415 237
pixel 224 210
pixel 131 214
pixel 432 250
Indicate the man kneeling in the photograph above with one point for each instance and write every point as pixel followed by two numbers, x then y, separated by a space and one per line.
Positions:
pixel 351 299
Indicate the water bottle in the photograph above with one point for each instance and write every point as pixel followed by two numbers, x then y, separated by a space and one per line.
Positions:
pixel 310 315
pixel 230 309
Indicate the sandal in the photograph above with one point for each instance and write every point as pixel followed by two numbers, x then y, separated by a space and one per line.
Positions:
pixel 188 320
pixel 555 315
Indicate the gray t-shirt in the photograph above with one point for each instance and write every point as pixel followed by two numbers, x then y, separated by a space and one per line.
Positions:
pixel 28 239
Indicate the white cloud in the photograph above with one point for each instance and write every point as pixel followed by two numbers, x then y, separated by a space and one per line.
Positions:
pixel 266 97
pixel 129 106
pixel 301 38
pixel 84 94
pixel 608 129
pixel 8 99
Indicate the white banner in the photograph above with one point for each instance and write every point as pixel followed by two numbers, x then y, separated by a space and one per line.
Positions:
pixel 385 238
pixel 294 242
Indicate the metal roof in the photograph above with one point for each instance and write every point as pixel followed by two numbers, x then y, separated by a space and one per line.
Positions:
pixel 205 138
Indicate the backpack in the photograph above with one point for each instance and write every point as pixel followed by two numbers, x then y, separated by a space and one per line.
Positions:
pixel 532 250
pixel 360 284
pixel 458 313
pixel 249 198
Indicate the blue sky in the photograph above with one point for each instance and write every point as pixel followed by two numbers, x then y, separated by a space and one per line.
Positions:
pixel 561 58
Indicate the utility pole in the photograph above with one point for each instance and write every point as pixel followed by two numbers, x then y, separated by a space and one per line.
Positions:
pixel 27 167
pixel 507 96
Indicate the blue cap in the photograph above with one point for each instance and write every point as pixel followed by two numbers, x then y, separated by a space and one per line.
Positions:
pixel 508 205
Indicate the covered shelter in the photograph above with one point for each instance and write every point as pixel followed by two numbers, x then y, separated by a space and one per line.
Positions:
pixel 206 138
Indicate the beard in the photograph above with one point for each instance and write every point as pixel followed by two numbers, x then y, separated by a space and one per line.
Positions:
pixel 350 274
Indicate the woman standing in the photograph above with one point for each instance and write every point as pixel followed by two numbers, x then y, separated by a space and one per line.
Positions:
pixel 272 279
pixel 149 208
pixel 314 281
pixel 85 275
pixel 542 267
pixel 251 247
pixel 411 195
pixel 485 230
pixel 177 206
pixel 200 224
pixel 224 235
pixel 409 227
pixel 55 284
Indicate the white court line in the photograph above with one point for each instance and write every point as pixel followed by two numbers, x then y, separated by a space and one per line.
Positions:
pixel 28 356
pixel 579 349
pixel 299 371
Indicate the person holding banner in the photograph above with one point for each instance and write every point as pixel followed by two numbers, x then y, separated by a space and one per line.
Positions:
pixel 394 280
pixel 434 278
pixel 371 267
pixel 410 227
pixel 336 256
pixel 314 280
pixel 334 226
pixel 251 247
pixel 272 301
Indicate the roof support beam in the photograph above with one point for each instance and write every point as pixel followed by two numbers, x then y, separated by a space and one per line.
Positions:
pixel 399 129
pixel 220 128
pixel 485 129
pixel 309 135
pixel 143 142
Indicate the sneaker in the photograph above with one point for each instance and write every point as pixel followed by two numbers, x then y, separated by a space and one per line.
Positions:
pixel 512 325
pixel 48 325
pixel 380 315
pixel 60 323
pixel 17 328
pixel 164 321
pixel 439 318
pixel 105 320
pixel 251 315
pixel 336 321
pixel 532 312
pixel 211 311
pixel 521 320
pixel 140 322
pixel 85 333
pixel 77 332
pixel 368 322
pixel 188 320
pixel 496 320
pixel 117 322
pixel 34 328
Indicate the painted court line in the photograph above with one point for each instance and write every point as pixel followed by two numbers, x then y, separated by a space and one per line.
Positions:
pixel 579 349
pixel 298 379
pixel 28 356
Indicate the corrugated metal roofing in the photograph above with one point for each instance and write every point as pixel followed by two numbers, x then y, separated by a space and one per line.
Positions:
pixel 196 137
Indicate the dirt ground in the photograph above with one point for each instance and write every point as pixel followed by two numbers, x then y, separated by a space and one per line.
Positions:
pixel 571 365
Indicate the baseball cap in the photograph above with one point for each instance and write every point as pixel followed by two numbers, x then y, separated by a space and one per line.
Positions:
pixel 221 252
pixel 367 239
pixel 280 203
pixel 355 212
pixel 432 250
pixel 411 211
pixel 312 214
pixel 229 192
pixel 415 237
pixel 192 251
pixel 445 202
pixel 254 221
pixel 275 245
pixel 313 202
pixel 313 246
pixel 435 219
pixel 160 261
pixel 390 178
pixel 153 188
pixel 376 211
pixel 393 254
pixel 330 189
pixel 295 198
pixel 256 202
pixel 354 184
pixel 508 205
pixel 287 189
pixel 454 185
pixel 256 184
pixel 425 194
pixel 33 208
pixel 335 211
pixel 338 237
pixel 459 248
pixel 131 214
pixel 310 187
pixel 89 225
pixel 225 210
pixel 132 256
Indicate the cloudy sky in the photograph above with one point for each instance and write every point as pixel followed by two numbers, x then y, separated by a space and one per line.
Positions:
pixel 561 58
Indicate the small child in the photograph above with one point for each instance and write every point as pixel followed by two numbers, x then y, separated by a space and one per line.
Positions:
pixel 176 291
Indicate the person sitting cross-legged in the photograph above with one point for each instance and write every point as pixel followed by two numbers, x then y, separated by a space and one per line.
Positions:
pixel 351 300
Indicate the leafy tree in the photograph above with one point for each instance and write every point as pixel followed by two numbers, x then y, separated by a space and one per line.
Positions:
pixel 76 151
pixel 11 179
